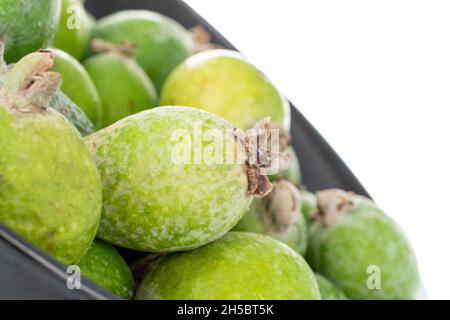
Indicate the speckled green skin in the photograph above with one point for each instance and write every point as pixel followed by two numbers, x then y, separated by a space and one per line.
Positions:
pixel 50 190
pixel 361 238
pixel 328 291
pixel 223 82
pixel 150 202
pixel 123 86
pixel 161 42
pixel 295 236
pixel 238 266
pixel 104 265
pixel 75 41
pixel 61 103
pixel 309 205
pixel 78 85
pixel 27 25
pixel 293 173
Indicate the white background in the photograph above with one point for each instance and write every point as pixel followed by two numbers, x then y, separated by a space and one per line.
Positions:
pixel 374 78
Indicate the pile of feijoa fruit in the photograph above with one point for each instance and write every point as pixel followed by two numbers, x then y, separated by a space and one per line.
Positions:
pixel 128 134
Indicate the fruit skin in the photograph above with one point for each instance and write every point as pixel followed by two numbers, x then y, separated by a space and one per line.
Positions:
pixel 161 42
pixel 329 291
pixel 279 216
pixel 78 85
pixel 73 32
pixel 241 266
pixel 224 83
pixel 360 237
pixel 104 265
pixel 309 205
pixel 152 203
pixel 61 103
pixel 293 173
pixel 27 25
pixel 123 86
pixel 50 189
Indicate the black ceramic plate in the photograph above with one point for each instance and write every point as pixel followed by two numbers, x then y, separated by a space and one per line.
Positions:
pixel 28 273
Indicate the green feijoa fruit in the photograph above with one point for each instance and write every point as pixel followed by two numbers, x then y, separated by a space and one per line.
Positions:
pixel 239 266
pixel 73 31
pixel 328 290
pixel 161 43
pixel 27 25
pixel 123 86
pixel 293 173
pixel 78 85
pixel 309 205
pixel 279 216
pixel 360 249
pixel 170 182
pixel 223 82
pixel 50 189
pixel 104 265
pixel 61 103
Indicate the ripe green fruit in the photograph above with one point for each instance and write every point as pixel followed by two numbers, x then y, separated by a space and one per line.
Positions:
pixel 329 291
pixel 166 185
pixel 224 83
pixel 27 25
pixel 241 266
pixel 278 215
pixel 104 265
pixel 78 85
pixel 61 103
pixel 161 43
pixel 309 205
pixel 50 189
pixel 123 86
pixel 73 31
pixel 360 249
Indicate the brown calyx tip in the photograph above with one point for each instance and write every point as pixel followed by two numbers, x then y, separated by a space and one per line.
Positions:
pixel 263 157
pixel 127 48
pixel 332 205
pixel 202 39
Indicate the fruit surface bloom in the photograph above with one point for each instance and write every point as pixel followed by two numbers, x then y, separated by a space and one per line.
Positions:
pixel 157 194
pixel 238 266
pixel 224 83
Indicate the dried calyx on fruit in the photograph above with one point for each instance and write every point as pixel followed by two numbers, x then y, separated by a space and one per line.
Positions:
pixel 332 205
pixel 50 190
pixel 279 216
pixel 146 207
pixel 202 39
pixel 135 90
pixel 29 86
pixel 359 248
pixel 264 156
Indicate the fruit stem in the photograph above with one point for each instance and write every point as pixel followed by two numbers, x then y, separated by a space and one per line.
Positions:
pixel 202 39
pixel 29 85
pixel 126 49
pixel 333 204
pixel 263 157
pixel 283 205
